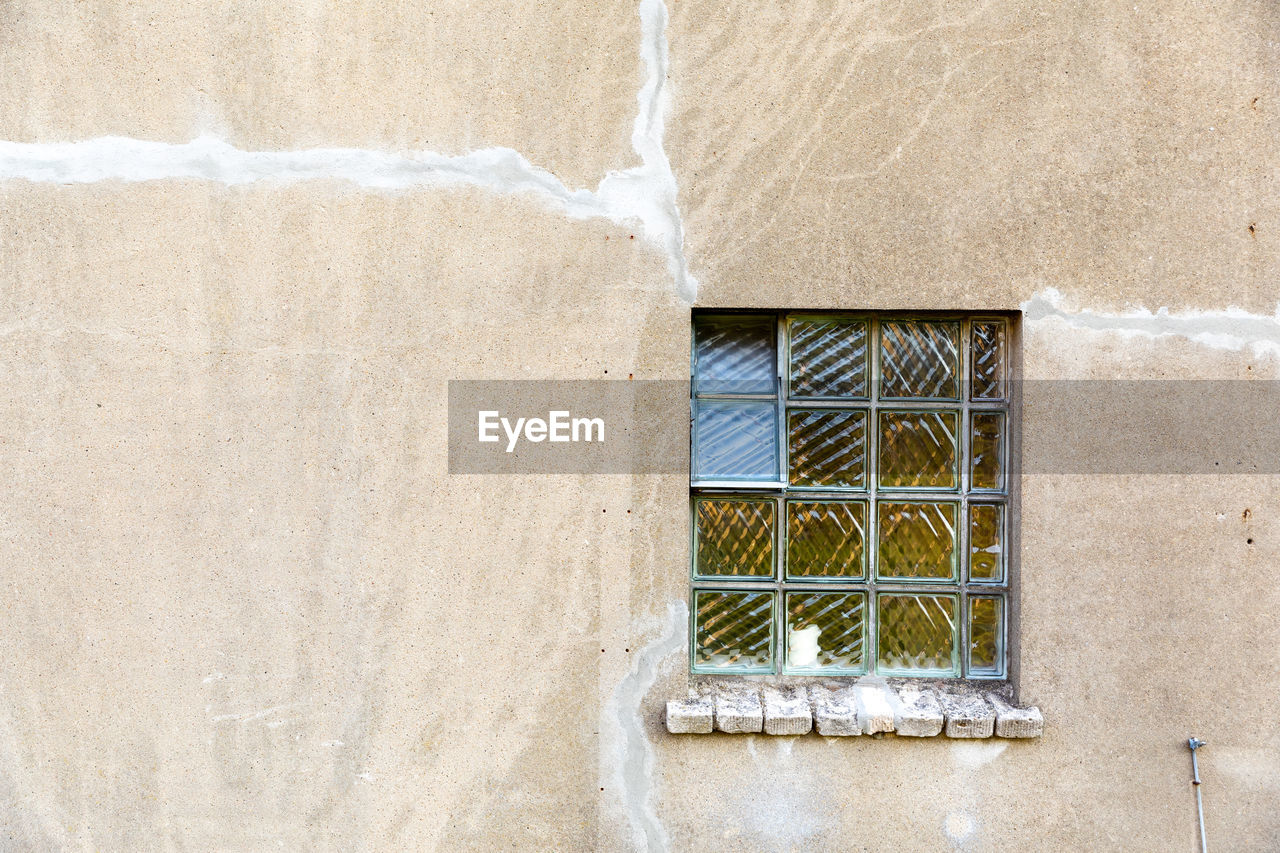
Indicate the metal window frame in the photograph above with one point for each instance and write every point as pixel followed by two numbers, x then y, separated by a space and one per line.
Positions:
pixel 963 496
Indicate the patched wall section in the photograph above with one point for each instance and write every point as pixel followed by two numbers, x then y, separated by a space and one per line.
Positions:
pixel 250 607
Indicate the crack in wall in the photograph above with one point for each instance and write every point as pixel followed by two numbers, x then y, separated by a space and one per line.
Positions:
pixel 634 771
pixel 1228 329
pixel 646 193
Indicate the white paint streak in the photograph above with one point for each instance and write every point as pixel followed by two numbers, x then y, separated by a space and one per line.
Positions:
pixel 972 755
pixel 1229 329
pixel 646 193
pixel 634 768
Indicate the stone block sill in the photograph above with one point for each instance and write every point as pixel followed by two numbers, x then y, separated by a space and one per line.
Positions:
pixel 867 706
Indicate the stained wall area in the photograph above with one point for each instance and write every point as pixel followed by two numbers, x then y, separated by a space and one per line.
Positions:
pixel 246 248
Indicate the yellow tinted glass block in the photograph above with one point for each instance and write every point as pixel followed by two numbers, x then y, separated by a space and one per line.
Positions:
pixel 986 450
pixel 733 630
pixel 919 359
pixel 828 359
pixel 918 449
pixel 826 539
pixel 734 537
pixel 986 542
pixel 828 447
pixel 988 359
pixel 985 634
pixel 917 541
pixel 825 632
pixel 916 634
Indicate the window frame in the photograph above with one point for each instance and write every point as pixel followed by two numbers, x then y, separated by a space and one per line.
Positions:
pixel 873 495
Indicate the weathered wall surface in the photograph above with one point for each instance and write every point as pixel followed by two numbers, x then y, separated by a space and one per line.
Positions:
pixel 247 608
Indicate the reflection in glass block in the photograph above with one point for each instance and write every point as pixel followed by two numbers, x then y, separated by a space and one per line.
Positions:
pixel 733 630
pixel 986 535
pixel 735 537
pixel 984 635
pixel 734 355
pixel 986 469
pixel 828 448
pixel 826 540
pixel 917 541
pixel 736 441
pixel 919 359
pixel 918 449
pixel 916 634
pixel 825 632
pixel 828 358
pixel 988 360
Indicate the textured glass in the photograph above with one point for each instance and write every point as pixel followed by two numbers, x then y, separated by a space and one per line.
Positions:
pixel 734 355
pixel 988 360
pixel 919 359
pixel 986 542
pixel 986 467
pixel 825 632
pixel 826 540
pixel 916 634
pixel 733 630
pixel 828 358
pixel 828 448
pixel 735 537
pixel 917 541
pixel 736 441
pixel 918 450
pixel 984 635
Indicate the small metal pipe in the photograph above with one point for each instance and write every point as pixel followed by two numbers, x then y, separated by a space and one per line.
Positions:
pixel 1194 744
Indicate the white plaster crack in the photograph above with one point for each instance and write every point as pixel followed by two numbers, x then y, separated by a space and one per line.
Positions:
pixel 646 193
pixel 1228 329
pixel 635 770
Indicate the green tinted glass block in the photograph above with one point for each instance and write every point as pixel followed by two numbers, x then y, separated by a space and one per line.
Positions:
pixel 986 542
pixel 828 358
pixel 826 632
pixel 916 634
pixel 918 449
pixel 986 614
pixel 734 537
pixel 734 355
pixel 826 539
pixel 917 541
pixel 988 340
pixel 919 359
pixel 986 449
pixel 828 447
pixel 736 440
pixel 733 631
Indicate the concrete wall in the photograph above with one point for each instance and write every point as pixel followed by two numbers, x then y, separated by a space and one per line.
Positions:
pixel 246 606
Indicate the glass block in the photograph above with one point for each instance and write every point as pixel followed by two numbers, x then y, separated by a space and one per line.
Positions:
pixel 825 632
pixel 733 630
pixel 986 543
pixel 918 450
pixel 736 441
pixel 986 451
pixel 828 358
pixel 986 614
pixel 826 539
pixel 919 359
pixel 916 634
pixel 917 541
pixel 734 355
pixel 734 537
pixel 828 448
pixel 988 356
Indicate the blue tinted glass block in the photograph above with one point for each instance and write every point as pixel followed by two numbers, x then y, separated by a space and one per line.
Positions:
pixel 736 441
pixel 734 355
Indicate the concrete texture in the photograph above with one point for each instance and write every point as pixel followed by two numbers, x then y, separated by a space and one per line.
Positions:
pixel 247 607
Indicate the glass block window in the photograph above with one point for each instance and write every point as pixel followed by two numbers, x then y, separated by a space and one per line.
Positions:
pixel 850 494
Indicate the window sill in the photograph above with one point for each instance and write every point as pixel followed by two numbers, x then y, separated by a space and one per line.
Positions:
pixel 865 706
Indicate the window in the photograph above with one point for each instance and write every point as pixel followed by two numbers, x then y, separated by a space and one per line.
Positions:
pixel 849 494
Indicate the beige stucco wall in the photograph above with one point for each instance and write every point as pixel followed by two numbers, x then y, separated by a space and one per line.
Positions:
pixel 247 608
